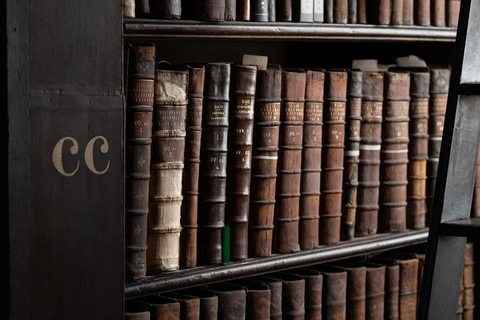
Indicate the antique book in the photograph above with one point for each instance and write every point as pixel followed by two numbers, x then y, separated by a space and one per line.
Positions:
pixel 230 10
pixel 439 83
pixel 243 10
pixel 318 7
pixel 394 154
pixel 142 8
pixel 140 93
pixel 422 12
pixel 453 12
pixel 286 237
pixel 268 99
pixel 351 160
pixel 283 10
pixel 129 8
pixel 293 295
pixel 362 11
pixel 313 291
pixel 162 307
pixel 258 298
pixel 213 168
pixel 375 290
pixel 438 13
pixel 332 161
pixel 392 289
pixel 352 11
pixel 476 190
pixel 414 253
pixel 259 10
pixel 418 150
pixel 189 305
pixel 328 11
pixel 208 302
pixel 356 289
pixel 168 147
pixel 384 12
pixel 334 292
pixel 136 311
pixel 302 10
pixel 239 163
pixel 469 282
pixel 231 300
pixel 340 11
pixel 366 221
pixel 211 10
pixel 272 11
pixel 191 170
pixel 397 12
pixel 408 9
pixel 166 9
pixel 311 160
pixel 276 287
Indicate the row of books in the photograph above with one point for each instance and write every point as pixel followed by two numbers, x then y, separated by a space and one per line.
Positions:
pixel 386 286
pixel 249 161
pixel 439 13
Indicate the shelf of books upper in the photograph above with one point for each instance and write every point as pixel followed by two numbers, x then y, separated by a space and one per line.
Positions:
pixel 141 28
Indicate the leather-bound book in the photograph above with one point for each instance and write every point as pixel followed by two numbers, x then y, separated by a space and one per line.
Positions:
pixel 356 289
pixel 142 8
pixel 419 254
pixel 397 12
pixel 268 100
pixel 394 154
pixel 352 11
pixel 334 292
pixel 211 10
pixel 191 171
pixel 375 290
pixel 311 160
pixel 439 83
pixel 332 162
pixel 162 307
pixel 140 92
pixel 340 11
pixel 168 147
pixel 230 10
pixel 422 12
pixel 408 9
pixel 418 150
pixel 208 302
pixel 313 292
pixel 290 163
pixel 213 168
pixel 453 12
pixel 302 10
pixel 231 300
pixel 258 298
pixel 293 295
pixel 283 10
pixel 259 10
pixel 328 11
pixel 243 10
pixel 370 143
pixel 166 9
pixel 242 97
pixel 468 282
pixel 362 11
pixel 129 8
pixel 384 8
pixel 136 311
pixel 438 13
pixel 272 11
pixel 476 191
pixel 392 289
pixel 189 305
pixel 276 287
pixel 351 160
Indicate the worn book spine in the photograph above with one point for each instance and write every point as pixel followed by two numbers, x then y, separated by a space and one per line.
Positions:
pixel 453 12
pixel 375 292
pixel 168 148
pixel 243 10
pixel 397 12
pixel 129 8
pixel 340 11
pixel 366 221
pixel 140 96
pixel 392 291
pixel 213 168
pixel 259 10
pixel 162 307
pixel 191 171
pixel 230 10
pixel 189 305
pixel 313 292
pixel 332 162
pixel 276 287
pixel 272 11
pixel 439 83
pixel 438 13
pixel 476 191
pixel 334 294
pixel 311 160
pixel 284 10
pixel 293 295
pixel 384 12
pixel 166 9
pixel 318 8
pixel 142 8
pixel 268 99
pixel 468 282
pixel 257 300
pixel 211 10
pixel 352 11
pixel 328 11
pixel 362 11
pixel 408 16
pixel 242 97
pixel 418 150
pixel 408 288
pixel 232 300
pixel 302 10
pixel 286 237
pixel 356 290
pixel 208 302
pixel 136 311
pixel 351 160
pixel 394 155
pixel 422 12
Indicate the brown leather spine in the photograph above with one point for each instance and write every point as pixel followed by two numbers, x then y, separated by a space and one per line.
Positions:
pixel 408 288
pixel 311 160
pixel 268 99
pixel 168 148
pixel 418 150
pixel 283 10
pixel 293 295
pixel 276 287
pixel 370 144
pixel 290 164
pixel 162 308
pixel 394 155
pixel 129 8
pixel 230 10
pixel 189 305
pixel 340 11
pixel 476 191
pixel 211 10
pixel 136 311
pixel 258 299
pixel 240 157
pixel 397 12
pixel 384 12
pixel 243 10
pixel 142 8
pixel 422 12
pixel 453 12
pixel 166 9
pixel 468 282
pixel 191 171
pixel 208 303
pixel 438 13
pixel 375 291
pixel 231 301
pixel 392 292
pixel 332 162
pixel 351 160
pixel 362 11
pixel 408 12
pixel 356 289
pixel 212 190
pixel 313 292
pixel 439 83
pixel 334 292
pixel 140 92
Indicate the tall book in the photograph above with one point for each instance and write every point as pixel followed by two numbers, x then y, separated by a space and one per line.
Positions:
pixel 302 10
pixel 408 10
pixel 293 295
pixel 375 290
pixel 142 8
pixel 276 288
pixel 191 171
pixel 328 11
pixel 356 289
pixel 422 12
pixel 129 8
pixel 352 152
pixel 189 305
pixel 240 137
pixel 438 13
pixel 394 154
pixel 272 11
pixel 243 10
pixel 476 190
pixel 311 160
pixel 208 302
pixel 383 12
pixel 340 11
pixel 257 300
pixel 392 290
pixel 397 12
pixel 231 300
pixel 166 9
pixel 259 10
pixel 211 10
pixel 268 100
pixel 283 10
pixel 352 11
pixel 332 162
pixel 418 150
pixel 453 12
pixel 408 288
pixel 168 148
pixel 468 282
pixel 286 237
pixel 140 93
pixel 362 11
pixel 318 10
pixel 230 10
pixel 366 221
pixel 439 83
pixel 334 292
pixel 313 292
pixel 213 168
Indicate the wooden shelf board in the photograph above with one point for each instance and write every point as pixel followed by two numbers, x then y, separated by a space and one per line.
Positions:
pixel 180 279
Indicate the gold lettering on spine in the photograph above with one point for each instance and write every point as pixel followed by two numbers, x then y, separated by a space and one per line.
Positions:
pixel 57 156
pixel 89 154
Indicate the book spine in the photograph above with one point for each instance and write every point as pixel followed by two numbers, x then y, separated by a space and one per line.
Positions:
pixel 129 8
pixel 392 291
pixel 231 301
pixel 208 307
pixel 293 299
pixel 408 289
pixel 290 165
pixel 397 12
pixel 140 93
pixel 356 288
pixel 408 12
pixel 328 11
pixel 136 311
pixel 302 10
pixel 375 292
pixel 167 9
pixel 352 11
pixel 418 150
pixel 422 12
pixel 453 12
pixel 211 10
pixel 340 11
pixel 276 288
pixel 230 10
pixel 366 221
pixel 313 296
pixel 351 160
pixel 272 11
pixel 259 10
pixel 240 157
pixel 438 13
pixel 163 308
pixel 476 191
pixel 334 144
pixel 334 295
pixel 384 12
pixel 191 171
pixel 469 282
pixel 213 168
pixel 243 10
pixel 168 148
pixel 318 7
pixel 266 128
pixel 142 8
pixel 394 155
pixel 311 160
pixel 284 10
pixel 439 82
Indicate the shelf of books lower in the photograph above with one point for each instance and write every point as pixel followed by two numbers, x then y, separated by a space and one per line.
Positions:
pixel 180 279
pixel 284 30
